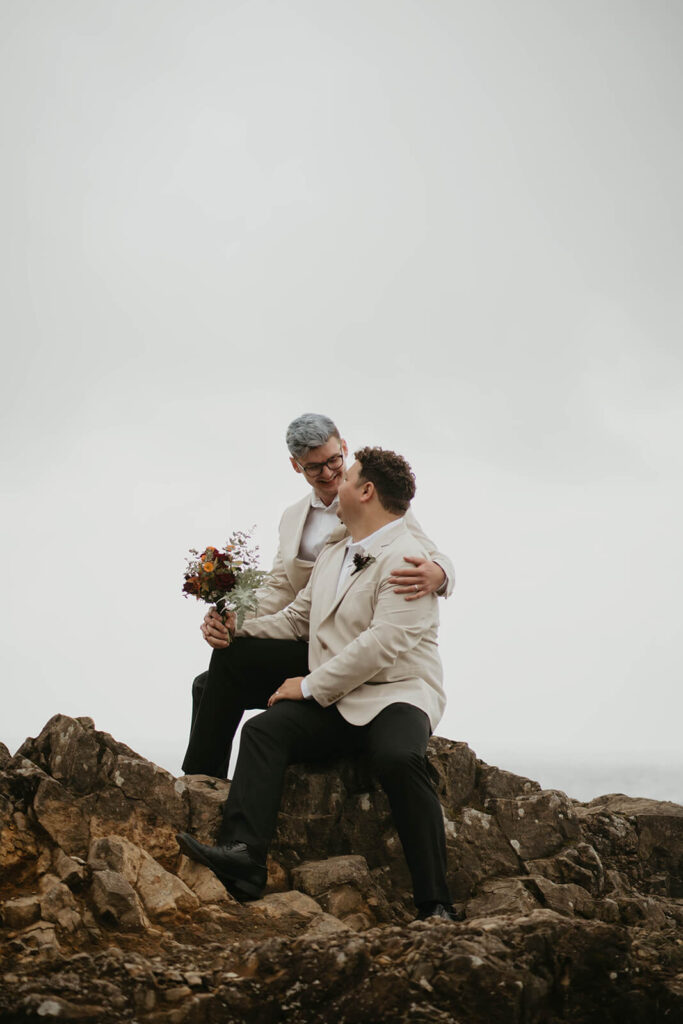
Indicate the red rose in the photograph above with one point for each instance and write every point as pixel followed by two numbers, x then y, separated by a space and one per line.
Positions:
pixel 224 580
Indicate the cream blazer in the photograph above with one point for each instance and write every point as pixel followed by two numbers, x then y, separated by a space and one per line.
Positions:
pixel 369 647
pixel 290 574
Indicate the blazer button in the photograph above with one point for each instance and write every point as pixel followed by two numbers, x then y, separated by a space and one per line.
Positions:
pixel 323 645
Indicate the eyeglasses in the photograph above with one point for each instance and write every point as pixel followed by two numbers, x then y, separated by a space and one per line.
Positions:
pixel 316 469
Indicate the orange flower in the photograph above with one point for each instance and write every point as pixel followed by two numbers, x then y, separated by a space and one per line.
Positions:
pixel 208 567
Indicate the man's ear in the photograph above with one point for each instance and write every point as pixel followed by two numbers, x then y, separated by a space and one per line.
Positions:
pixel 367 490
pixel 344 447
pixel 295 465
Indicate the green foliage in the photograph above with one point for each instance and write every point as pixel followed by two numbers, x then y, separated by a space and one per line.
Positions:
pixel 242 598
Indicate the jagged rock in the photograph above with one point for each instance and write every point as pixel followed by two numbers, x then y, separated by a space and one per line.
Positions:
pixel 343 887
pixel 67 750
pixel 311 810
pixel 20 912
pixel 278 876
pixel 206 797
pixel 477 849
pixel 642 910
pixel 148 784
pixel 580 865
pixel 72 751
pixel 5 756
pixel 55 1008
pixel 455 769
pixel 502 896
pixel 116 900
pixel 110 786
pixel 160 891
pixel 572 909
pixel 323 926
pixel 537 824
pixel 563 898
pixel 202 881
pixel 40 936
pixel 657 836
pixel 365 826
pixel 59 814
pixel 18 846
pixel 279 904
pixel 70 870
pixel 58 905
pixel 496 784
pixel 318 877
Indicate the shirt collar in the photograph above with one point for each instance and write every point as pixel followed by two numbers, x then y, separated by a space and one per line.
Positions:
pixel 316 502
pixel 367 542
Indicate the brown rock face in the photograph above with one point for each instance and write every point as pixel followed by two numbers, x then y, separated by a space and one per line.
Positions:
pixel 569 912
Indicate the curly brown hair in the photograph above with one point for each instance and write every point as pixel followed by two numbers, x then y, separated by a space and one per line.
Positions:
pixel 393 478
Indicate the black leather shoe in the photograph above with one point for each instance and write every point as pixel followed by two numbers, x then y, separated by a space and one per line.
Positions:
pixel 445 912
pixel 241 875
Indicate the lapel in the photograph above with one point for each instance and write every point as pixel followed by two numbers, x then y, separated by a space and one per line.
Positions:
pixel 339 533
pixel 328 579
pixel 293 536
pixel 330 598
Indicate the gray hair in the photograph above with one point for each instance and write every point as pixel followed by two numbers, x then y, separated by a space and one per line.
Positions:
pixel 309 431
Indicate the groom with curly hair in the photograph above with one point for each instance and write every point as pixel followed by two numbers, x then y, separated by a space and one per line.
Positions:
pixel 243 674
pixel 372 686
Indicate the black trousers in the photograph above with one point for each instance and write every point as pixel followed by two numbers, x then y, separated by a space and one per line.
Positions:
pixel 240 677
pixel 396 743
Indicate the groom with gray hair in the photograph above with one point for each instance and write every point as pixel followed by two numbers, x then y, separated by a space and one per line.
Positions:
pixel 245 672
pixel 372 687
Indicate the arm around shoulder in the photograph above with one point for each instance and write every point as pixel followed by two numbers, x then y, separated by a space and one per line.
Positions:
pixel 436 556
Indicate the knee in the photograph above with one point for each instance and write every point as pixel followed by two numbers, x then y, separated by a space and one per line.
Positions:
pixel 397 764
pixel 269 729
pixel 257 727
pixel 234 657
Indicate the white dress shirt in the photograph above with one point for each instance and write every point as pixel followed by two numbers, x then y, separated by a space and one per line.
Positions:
pixel 320 522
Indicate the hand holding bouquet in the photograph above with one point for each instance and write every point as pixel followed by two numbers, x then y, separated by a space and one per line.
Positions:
pixel 227 579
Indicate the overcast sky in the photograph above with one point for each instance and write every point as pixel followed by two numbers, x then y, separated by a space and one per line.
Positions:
pixel 454 227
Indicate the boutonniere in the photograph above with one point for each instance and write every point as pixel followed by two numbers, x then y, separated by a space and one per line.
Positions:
pixel 361 561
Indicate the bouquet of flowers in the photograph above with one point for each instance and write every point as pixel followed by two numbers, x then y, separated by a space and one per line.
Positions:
pixel 228 578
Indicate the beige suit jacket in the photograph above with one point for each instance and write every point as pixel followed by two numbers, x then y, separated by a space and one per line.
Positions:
pixel 369 647
pixel 290 574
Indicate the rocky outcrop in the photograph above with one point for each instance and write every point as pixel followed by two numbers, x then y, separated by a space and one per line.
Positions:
pixel 569 911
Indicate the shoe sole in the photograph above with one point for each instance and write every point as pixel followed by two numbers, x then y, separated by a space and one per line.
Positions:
pixel 238 888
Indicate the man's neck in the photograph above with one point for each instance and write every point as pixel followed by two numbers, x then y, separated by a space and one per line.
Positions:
pixel 326 499
pixel 371 524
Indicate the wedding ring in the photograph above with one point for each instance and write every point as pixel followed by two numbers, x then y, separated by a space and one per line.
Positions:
pixel 416 587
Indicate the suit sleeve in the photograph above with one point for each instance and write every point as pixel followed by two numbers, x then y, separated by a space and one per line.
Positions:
pixel 275 592
pixel 396 627
pixel 436 556
pixel 290 623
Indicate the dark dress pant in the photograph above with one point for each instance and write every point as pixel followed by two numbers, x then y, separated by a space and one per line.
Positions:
pixel 240 677
pixel 395 741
